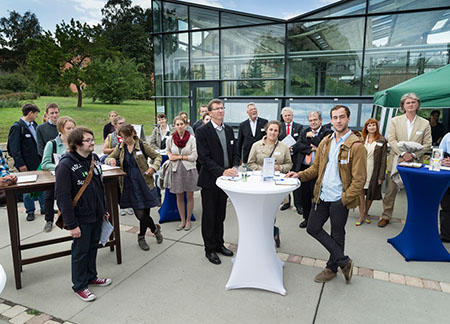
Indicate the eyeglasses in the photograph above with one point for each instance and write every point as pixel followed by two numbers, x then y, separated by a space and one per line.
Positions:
pixel 91 140
pixel 218 108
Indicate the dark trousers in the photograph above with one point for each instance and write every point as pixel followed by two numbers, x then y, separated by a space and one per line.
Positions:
pixel 214 203
pixel 49 205
pixel 84 255
pixel 334 243
pixel 307 193
pixel 445 215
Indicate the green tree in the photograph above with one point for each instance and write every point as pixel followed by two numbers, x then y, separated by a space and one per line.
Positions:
pixel 14 33
pixel 62 59
pixel 129 28
pixel 114 80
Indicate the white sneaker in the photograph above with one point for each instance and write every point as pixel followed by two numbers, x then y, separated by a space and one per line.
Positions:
pixel 130 211
pixel 123 212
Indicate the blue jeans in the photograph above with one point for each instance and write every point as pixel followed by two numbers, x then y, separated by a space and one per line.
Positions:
pixel 29 203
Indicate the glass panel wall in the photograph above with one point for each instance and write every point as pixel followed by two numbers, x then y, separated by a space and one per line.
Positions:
pixel 229 19
pixel 302 109
pixel 396 5
pixel 257 88
pixel 325 57
pixel 355 7
pixel 236 110
pixel 156 11
pixel 175 17
pixel 158 56
pixel 176 89
pixel 176 58
pixel 203 18
pixel 174 106
pixel 398 50
pixel 205 55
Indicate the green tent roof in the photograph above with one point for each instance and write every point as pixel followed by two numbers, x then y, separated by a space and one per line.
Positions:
pixel 433 89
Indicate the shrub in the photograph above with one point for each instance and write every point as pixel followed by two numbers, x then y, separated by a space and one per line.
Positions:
pixel 14 82
pixel 10 103
pixel 18 96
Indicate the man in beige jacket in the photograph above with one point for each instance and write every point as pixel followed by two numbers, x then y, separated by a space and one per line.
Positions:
pixel 407 127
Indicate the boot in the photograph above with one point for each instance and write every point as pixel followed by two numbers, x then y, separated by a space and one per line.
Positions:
pixel 142 244
pixel 158 235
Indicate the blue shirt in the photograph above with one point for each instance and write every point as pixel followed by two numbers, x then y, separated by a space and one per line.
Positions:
pixel 331 184
pixel 4 169
pixel 31 128
pixel 445 143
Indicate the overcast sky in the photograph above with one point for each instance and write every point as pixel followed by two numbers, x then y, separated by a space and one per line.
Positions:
pixel 52 12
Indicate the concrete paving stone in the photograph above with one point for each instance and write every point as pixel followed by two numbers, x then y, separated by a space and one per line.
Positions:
pixel 21 318
pixel 1 300
pixel 39 319
pixel 445 287
pixel 125 228
pixel 431 284
pixel 308 261
pixel 388 303
pixel 355 270
pixel 283 256
pixel 414 281
pixel 320 263
pixel 4 308
pixel 14 311
pixel 380 275
pixel 364 272
pixel 294 259
pixel 397 278
pixel 53 322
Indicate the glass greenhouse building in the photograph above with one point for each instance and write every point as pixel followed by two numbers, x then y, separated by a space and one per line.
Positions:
pixel 342 53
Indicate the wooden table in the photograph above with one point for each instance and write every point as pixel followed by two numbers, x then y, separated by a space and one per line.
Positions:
pixel 46 182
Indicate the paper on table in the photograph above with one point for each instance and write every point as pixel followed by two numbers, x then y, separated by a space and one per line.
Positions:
pixel 27 178
pixel 289 140
pixel 107 167
pixel 268 169
pixel 107 229
pixel 230 178
pixel 287 181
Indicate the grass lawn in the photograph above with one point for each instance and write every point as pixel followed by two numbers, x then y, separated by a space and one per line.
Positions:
pixel 91 115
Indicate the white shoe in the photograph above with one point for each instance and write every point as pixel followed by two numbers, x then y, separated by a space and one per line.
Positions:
pixel 130 211
pixel 123 212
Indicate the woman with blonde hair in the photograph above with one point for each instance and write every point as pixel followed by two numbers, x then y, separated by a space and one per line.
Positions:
pixel 376 146
pixel 182 152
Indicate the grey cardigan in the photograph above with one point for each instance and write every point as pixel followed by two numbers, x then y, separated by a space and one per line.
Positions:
pixel 155 138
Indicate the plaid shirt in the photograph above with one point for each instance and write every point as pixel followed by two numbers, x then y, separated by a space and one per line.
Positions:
pixel 4 169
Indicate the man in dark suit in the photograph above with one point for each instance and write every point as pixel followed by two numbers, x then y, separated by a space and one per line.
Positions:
pixel 250 131
pixel 289 127
pixel 306 147
pixel 217 152
pixel 202 110
pixel 22 146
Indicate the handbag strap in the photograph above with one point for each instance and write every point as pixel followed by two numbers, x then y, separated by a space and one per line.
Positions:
pixel 276 144
pixel 85 184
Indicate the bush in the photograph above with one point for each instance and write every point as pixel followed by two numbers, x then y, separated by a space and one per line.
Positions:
pixel 10 103
pixel 14 82
pixel 19 96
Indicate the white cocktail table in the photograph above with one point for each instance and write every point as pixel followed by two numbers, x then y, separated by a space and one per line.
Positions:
pixel 256 202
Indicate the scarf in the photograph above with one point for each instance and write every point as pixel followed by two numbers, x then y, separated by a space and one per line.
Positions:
pixel 181 142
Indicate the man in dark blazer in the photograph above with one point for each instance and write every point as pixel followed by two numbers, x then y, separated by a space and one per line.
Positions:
pixel 250 131
pixel 305 147
pixel 289 127
pixel 217 152
pixel 203 109
pixel 22 146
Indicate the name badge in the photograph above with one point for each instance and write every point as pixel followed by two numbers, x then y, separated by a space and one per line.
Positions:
pixel 419 133
pixel 27 135
pixel 380 144
pixel 231 142
pixel 262 130
pixel 344 161
pixel 277 153
pixel 295 134
pixel 139 153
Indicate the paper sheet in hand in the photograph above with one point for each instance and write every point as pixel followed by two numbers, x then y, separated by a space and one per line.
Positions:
pixel 107 229
pixel 289 141
pixel 27 178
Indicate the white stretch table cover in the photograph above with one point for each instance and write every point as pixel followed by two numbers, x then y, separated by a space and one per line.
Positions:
pixel 256 264
pixel 2 278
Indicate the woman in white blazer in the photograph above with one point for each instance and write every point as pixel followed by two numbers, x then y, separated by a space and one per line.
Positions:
pixel 182 152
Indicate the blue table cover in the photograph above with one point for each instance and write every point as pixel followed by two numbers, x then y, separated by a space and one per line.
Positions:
pixel 419 239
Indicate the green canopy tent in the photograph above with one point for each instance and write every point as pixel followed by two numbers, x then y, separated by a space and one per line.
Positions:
pixel 433 89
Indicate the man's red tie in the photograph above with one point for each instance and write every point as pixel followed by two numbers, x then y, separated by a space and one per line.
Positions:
pixel 288 129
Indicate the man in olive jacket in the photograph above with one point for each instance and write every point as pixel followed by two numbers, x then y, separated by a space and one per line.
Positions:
pixel 340 168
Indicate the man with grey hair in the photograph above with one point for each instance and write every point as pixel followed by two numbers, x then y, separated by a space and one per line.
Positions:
pixel 306 147
pixel 250 131
pixel 407 127
pixel 289 127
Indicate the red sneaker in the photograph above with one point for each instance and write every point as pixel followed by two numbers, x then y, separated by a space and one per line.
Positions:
pixel 101 282
pixel 86 295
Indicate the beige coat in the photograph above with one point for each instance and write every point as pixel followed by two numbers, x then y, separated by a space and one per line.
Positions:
pixel 261 150
pixel 155 138
pixel 190 150
pixel 421 133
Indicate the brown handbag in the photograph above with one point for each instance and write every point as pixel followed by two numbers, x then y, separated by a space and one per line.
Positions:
pixel 60 221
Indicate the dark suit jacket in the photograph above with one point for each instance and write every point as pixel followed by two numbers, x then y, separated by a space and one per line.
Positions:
pixel 303 145
pixel 246 139
pixel 197 124
pixel 210 154
pixel 23 147
pixel 296 130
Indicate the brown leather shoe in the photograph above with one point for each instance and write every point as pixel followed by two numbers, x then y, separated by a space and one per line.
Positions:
pixel 383 222
pixel 347 271
pixel 325 276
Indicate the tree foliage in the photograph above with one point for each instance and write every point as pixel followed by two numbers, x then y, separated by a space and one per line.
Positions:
pixel 15 30
pixel 114 80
